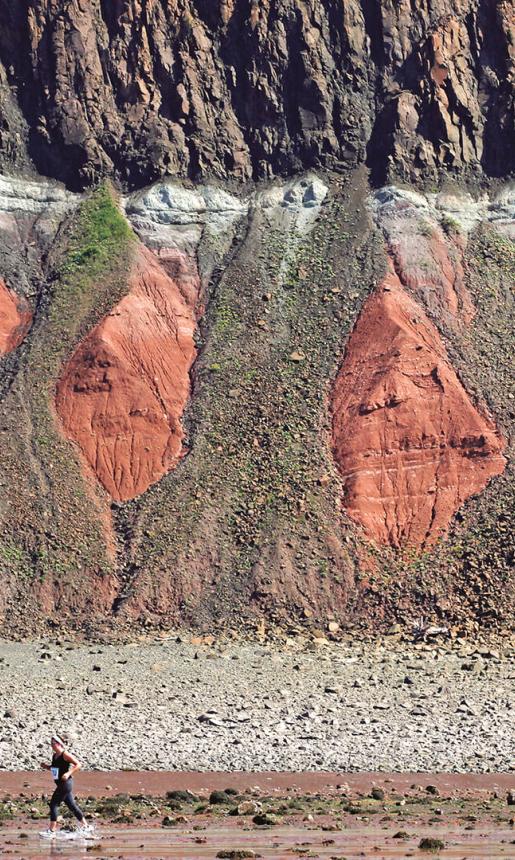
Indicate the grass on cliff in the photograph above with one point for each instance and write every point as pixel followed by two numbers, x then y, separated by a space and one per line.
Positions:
pixel 97 246
pixel 50 511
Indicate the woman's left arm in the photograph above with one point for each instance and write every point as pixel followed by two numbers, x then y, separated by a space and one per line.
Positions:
pixel 75 765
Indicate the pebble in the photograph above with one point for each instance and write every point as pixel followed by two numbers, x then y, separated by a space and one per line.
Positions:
pixel 272 708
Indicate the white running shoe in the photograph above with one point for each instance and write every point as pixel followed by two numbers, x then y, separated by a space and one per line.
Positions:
pixel 48 834
pixel 86 830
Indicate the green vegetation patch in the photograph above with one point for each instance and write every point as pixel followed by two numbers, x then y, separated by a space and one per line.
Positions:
pixel 49 526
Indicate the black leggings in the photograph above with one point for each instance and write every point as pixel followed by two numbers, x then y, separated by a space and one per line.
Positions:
pixel 64 794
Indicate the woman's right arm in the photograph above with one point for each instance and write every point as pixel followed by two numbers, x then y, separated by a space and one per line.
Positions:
pixel 44 765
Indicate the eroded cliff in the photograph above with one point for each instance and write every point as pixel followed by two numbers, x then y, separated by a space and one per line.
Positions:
pixel 122 394
pixel 247 89
pixel 410 445
pixel 15 319
pixel 166 423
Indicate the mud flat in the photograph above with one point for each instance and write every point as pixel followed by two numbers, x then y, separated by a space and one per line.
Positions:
pixel 268 815
pixel 326 784
pixel 281 844
pixel 166 705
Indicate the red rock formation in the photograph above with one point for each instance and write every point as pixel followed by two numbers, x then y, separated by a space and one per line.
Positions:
pixel 428 259
pixel 15 319
pixel 407 439
pixel 122 394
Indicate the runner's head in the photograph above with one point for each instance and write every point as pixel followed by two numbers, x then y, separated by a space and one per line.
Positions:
pixel 57 743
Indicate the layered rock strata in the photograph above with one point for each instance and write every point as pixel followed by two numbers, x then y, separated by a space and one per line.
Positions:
pixel 255 89
pixel 122 394
pixel 15 319
pixel 427 235
pixel 250 521
pixel 407 439
pixel 205 221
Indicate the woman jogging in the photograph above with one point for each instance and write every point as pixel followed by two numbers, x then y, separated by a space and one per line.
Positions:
pixel 63 767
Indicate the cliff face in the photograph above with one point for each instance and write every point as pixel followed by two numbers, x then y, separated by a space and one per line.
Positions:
pixel 245 89
pixel 15 319
pixel 223 397
pixel 232 404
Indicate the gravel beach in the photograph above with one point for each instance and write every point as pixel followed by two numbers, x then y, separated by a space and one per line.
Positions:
pixel 301 706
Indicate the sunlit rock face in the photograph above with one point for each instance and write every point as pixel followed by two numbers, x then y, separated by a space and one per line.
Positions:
pixel 122 395
pixel 255 90
pixel 407 439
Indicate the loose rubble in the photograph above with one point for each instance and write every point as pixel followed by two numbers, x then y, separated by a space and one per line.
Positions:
pixel 297 706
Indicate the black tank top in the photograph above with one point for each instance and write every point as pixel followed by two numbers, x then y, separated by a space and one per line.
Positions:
pixel 59 767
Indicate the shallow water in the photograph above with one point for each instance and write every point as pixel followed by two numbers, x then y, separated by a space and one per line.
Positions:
pixel 280 843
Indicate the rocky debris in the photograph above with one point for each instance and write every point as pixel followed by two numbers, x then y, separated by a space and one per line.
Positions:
pixel 423 632
pixel 15 319
pixel 237 854
pixel 302 729
pixel 298 199
pixel 243 262
pixel 220 798
pixel 409 443
pixel 429 843
pixel 122 394
pixel 182 796
pixel 174 821
pixel 249 807
pixel 204 221
pixel 200 222
pixel 264 819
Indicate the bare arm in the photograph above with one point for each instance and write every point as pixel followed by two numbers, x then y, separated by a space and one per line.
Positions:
pixel 75 764
pixel 44 765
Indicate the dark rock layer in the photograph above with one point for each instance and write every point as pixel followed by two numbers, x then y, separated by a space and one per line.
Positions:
pixel 237 88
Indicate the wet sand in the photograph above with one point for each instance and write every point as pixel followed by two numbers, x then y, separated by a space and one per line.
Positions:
pixel 317 815
pixel 156 783
pixel 143 843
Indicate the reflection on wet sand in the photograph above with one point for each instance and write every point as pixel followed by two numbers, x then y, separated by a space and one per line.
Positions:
pixel 280 843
